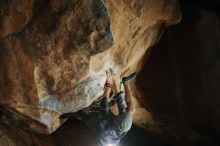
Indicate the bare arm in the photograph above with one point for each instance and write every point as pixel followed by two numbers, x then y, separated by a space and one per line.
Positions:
pixel 128 98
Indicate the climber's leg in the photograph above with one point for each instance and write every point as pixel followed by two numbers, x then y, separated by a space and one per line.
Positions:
pixel 104 118
pixel 118 97
pixel 128 98
pixel 120 102
pixel 104 111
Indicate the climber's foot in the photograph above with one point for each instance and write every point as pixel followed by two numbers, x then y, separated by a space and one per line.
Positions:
pixel 129 78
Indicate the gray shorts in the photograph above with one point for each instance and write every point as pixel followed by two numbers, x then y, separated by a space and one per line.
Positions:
pixel 123 121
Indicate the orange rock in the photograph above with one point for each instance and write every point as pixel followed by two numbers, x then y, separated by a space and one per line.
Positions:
pixel 54 60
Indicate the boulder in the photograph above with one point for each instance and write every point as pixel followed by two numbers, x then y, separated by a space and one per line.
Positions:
pixel 54 53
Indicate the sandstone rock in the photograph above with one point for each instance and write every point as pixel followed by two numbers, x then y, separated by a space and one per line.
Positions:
pixel 54 60
pixel 5 140
pixel 15 15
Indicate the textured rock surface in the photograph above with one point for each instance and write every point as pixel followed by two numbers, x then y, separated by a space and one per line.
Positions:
pixel 5 140
pixel 181 78
pixel 15 15
pixel 54 53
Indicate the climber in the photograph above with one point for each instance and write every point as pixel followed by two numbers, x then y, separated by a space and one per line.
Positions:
pixel 113 128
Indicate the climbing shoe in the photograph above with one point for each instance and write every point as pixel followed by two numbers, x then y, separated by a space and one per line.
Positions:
pixel 131 77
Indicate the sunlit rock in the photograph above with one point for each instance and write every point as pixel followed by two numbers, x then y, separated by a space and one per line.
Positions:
pixel 54 53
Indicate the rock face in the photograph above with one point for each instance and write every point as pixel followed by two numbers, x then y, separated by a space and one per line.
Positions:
pixel 181 78
pixel 53 54
pixel 4 140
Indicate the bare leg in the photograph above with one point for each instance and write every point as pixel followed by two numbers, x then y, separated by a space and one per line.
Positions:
pixel 107 91
pixel 116 86
pixel 128 98
pixel 104 109
pixel 118 97
pixel 115 83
